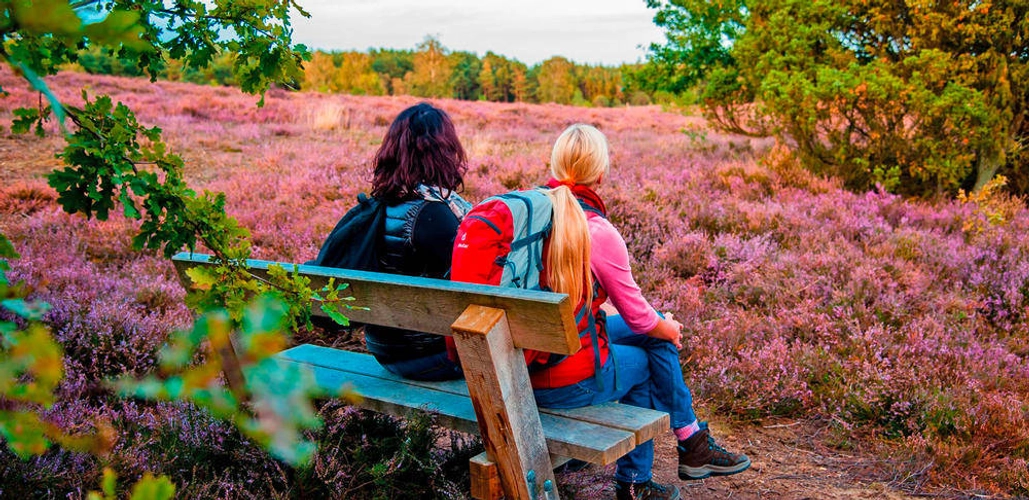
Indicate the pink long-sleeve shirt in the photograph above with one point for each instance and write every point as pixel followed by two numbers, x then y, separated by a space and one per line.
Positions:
pixel 610 264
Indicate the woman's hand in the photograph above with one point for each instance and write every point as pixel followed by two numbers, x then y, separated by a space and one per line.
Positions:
pixel 668 329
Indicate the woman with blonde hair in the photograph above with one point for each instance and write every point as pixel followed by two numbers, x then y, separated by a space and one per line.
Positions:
pixel 631 356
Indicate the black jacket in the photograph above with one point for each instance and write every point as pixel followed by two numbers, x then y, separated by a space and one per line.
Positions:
pixel 418 240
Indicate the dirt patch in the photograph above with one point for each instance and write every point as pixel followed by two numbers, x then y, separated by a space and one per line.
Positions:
pixel 786 463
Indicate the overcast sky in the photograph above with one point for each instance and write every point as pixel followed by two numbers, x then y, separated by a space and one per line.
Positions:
pixel 606 32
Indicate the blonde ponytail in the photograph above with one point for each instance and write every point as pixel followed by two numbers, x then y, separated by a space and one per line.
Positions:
pixel 580 156
pixel 568 261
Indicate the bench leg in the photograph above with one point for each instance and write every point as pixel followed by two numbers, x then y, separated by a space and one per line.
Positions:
pixel 485 478
pixel 509 423
pixel 225 354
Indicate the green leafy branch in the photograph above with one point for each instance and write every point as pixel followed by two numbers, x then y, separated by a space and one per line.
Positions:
pixel 281 392
pixel 113 162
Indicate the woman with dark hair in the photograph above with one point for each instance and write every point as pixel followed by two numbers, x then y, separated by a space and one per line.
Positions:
pixel 418 169
pixel 420 149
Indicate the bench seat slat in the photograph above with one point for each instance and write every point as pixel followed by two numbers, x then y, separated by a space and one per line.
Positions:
pixel 390 397
pixel 645 424
pixel 386 393
pixel 365 364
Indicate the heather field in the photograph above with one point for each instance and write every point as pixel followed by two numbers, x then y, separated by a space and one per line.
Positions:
pixel 856 345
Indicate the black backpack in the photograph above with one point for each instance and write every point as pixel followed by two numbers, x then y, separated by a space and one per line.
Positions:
pixel 352 244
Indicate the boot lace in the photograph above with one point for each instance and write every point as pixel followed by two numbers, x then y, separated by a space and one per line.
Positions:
pixel 712 445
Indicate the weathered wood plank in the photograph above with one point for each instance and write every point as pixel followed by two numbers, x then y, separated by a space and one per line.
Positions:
pixel 363 364
pixel 386 393
pixel 498 383
pixel 644 423
pixel 392 398
pixel 538 320
pixel 574 433
pixel 485 478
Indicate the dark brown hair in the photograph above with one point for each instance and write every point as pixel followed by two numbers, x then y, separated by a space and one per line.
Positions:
pixel 421 147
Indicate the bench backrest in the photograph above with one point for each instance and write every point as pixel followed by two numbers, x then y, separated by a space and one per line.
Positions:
pixel 543 321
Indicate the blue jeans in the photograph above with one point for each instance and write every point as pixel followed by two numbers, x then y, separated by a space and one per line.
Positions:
pixel 434 367
pixel 648 375
pixel 670 391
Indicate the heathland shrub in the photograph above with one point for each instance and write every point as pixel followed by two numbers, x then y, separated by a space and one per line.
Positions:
pixel 882 318
pixel 365 454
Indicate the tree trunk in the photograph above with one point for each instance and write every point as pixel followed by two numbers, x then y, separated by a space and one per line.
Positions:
pixel 987 166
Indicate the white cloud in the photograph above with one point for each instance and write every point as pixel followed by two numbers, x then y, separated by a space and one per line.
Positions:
pixel 598 31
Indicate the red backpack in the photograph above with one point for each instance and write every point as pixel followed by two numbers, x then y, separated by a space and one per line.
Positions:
pixel 500 242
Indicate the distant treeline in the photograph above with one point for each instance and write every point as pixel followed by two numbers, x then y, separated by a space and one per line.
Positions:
pixel 431 70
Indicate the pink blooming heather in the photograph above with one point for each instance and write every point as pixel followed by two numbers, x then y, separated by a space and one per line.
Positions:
pixel 889 319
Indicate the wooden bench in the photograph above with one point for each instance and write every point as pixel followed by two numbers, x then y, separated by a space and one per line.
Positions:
pixel 491 325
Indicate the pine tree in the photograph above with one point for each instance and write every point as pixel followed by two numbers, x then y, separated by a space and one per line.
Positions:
pixel 920 98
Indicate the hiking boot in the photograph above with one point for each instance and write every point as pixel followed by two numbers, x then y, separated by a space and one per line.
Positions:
pixel 644 491
pixel 700 457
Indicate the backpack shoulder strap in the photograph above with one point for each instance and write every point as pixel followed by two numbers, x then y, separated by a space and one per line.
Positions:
pixel 587 208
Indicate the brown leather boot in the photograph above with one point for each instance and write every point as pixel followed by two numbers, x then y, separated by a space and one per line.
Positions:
pixel 700 457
